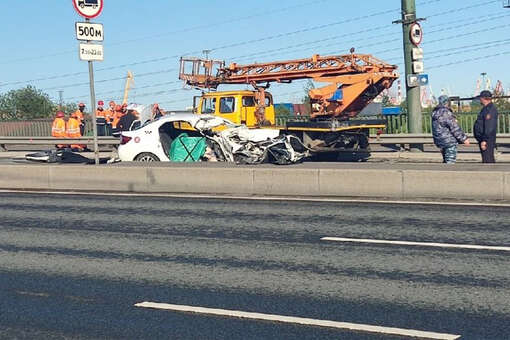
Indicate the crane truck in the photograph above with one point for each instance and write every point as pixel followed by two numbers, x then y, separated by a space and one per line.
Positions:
pixel 353 81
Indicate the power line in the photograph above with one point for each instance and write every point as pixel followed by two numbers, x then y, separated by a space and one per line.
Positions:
pixel 183 30
pixel 246 42
pixel 216 48
pixel 469 60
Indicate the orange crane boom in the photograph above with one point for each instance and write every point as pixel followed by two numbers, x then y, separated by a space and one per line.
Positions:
pixel 354 79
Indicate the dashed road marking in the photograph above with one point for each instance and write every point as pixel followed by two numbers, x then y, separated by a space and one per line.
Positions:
pixel 420 244
pixel 301 321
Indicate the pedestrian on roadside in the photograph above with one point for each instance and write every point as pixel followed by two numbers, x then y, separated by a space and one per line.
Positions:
pixel 486 126
pixel 446 131
pixel 109 115
pixel 100 119
pixel 58 128
pixel 80 115
pixel 73 131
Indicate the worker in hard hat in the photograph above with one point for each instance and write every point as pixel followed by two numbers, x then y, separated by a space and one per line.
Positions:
pixel 119 112
pixel 80 115
pixel 73 131
pixel 58 128
pixel 127 120
pixel 100 119
pixel 109 114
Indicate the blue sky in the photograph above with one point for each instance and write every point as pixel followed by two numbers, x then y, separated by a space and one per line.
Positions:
pixel 462 39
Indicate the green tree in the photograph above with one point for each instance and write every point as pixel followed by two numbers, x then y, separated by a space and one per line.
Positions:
pixel 26 103
pixel 386 101
pixel 309 85
pixel 69 108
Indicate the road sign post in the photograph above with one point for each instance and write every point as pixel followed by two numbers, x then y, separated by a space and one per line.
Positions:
pixel 413 56
pixel 90 52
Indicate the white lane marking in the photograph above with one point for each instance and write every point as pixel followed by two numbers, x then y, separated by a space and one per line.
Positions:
pixel 422 244
pixel 260 198
pixel 301 321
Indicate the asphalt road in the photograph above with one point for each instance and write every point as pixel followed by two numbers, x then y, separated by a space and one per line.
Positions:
pixel 72 267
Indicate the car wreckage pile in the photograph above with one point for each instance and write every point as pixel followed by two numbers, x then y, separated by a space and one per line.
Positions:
pixel 228 142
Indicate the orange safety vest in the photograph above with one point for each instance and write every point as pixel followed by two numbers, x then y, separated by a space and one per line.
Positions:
pixel 79 114
pixel 116 117
pixel 58 129
pixel 101 114
pixel 73 131
pixel 108 115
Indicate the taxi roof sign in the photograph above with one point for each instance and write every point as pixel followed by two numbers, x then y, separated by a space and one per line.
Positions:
pixel 88 8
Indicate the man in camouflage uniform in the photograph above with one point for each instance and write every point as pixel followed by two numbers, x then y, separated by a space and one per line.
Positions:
pixel 446 131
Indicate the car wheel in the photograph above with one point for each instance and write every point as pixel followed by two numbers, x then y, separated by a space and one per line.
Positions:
pixel 82 6
pixel 146 157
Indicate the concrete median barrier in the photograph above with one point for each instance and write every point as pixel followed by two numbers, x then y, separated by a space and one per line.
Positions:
pixel 200 180
pixel 361 183
pixel 454 184
pixel 286 181
pixel 328 181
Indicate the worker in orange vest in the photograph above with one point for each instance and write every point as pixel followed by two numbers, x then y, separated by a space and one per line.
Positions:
pixel 109 117
pixel 120 111
pixel 80 115
pixel 58 128
pixel 100 119
pixel 73 131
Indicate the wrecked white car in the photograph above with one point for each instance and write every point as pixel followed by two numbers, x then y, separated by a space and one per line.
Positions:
pixel 187 137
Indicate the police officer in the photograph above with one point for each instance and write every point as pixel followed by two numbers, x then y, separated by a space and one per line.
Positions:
pixel 486 126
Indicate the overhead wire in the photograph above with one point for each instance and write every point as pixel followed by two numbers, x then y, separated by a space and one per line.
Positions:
pixel 224 46
pixel 183 30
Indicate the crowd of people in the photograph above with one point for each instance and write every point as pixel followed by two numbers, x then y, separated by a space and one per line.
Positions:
pixel 110 121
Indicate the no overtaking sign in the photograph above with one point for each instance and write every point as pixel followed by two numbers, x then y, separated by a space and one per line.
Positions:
pixel 88 8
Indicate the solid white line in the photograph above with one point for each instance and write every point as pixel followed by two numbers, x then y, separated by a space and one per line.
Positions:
pixel 422 244
pixel 260 198
pixel 301 321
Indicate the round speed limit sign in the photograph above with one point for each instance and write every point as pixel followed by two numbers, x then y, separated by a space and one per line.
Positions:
pixel 88 8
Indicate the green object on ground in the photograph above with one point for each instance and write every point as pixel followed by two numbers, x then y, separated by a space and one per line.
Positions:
pixel 187 149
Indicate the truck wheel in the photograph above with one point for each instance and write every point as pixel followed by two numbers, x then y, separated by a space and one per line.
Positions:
pixel 146 157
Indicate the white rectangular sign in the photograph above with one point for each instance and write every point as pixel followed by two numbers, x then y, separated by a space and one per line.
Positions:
pixel 89 31
pixel 91 52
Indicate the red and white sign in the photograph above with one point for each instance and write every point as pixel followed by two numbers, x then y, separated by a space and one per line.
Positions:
pixel 88 8
pixel 416 34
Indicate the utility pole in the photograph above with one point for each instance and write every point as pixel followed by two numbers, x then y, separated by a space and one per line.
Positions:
pixel 60 99
pixel 484 80
pixel 206 53
pixel 412 35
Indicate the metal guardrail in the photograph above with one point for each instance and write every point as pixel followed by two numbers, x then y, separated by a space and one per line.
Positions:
pixel 27 141
pixel 383 139
pixel 424 139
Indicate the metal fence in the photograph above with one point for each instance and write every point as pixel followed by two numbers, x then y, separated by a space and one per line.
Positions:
pixel 394 124
pixel 398 124
pixel 33 128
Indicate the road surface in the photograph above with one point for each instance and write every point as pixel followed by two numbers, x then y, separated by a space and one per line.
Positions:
pixel 74 266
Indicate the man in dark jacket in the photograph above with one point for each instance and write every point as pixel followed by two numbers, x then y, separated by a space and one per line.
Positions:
pixel 126 121
pixel 446 131
pixel 486 126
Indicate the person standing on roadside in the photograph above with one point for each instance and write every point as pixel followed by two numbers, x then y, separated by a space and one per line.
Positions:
pixel 58 128
pixel 80 115
pixel 446 131
pixel 486 126
pixel 101 119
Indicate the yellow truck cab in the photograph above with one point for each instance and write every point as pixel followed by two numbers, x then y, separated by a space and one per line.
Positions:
pixel 236 106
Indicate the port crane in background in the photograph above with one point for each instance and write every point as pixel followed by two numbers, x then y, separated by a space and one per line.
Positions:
pixel 353 81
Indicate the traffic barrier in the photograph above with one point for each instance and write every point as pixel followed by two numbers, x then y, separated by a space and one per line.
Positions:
pixel 384 139
pixel 435 182
pixel 31 141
